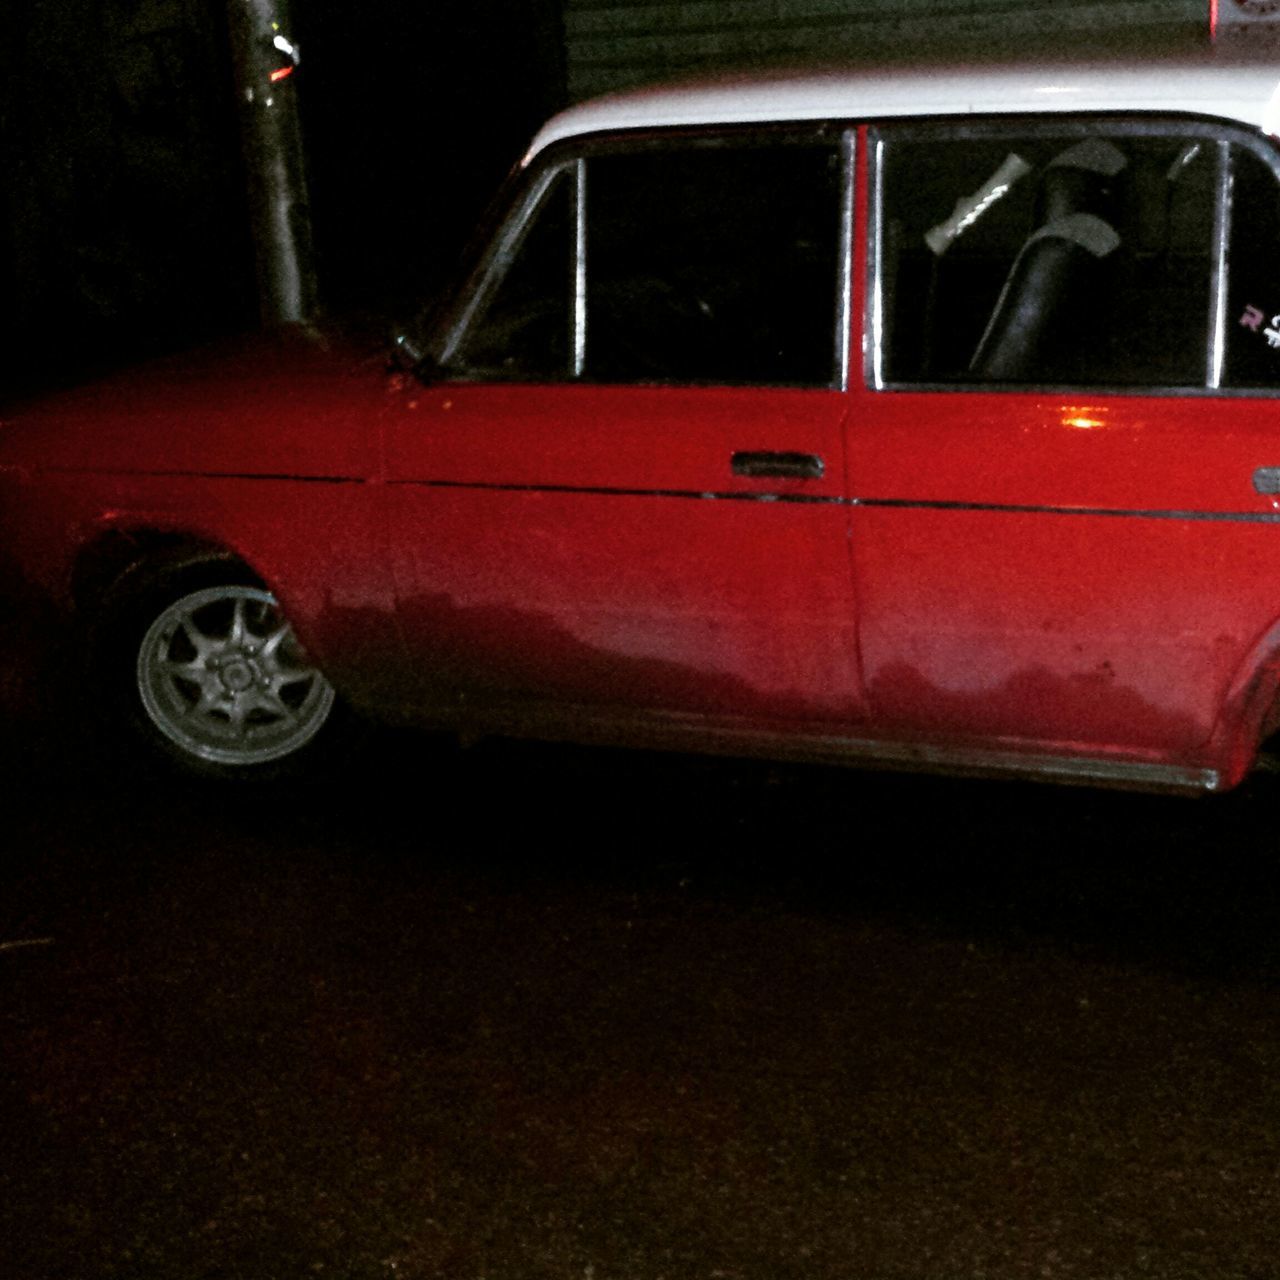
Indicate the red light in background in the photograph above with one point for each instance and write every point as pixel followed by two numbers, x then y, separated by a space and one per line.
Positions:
pixel 280 73
pixel 1213 19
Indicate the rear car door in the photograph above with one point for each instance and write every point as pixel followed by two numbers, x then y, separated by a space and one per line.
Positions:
pixel 1059 537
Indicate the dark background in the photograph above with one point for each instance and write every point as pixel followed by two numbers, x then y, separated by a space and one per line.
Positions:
pixel 539 1012
pixel 124 227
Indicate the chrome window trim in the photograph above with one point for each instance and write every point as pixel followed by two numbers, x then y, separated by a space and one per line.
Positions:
pixel 847 248
pixel 579 268
pixel 873 303
pixel 1082 125
pixel 1077 389
pixel 1219 282
pixel 1124 124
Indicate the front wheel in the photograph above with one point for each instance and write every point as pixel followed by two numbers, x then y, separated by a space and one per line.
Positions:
pixel 202 667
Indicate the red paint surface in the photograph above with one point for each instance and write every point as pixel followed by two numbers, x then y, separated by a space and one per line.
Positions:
pixel 1037 582
pixel 555 541
pixel 266 450
pixel 1075 624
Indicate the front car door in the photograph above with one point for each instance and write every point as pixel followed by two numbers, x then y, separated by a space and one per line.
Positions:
pixel 623 492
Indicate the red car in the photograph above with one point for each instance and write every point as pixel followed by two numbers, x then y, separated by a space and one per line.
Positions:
pixel 915 418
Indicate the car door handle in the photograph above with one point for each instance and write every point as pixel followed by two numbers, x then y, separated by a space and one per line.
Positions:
pixel 790 466
pixel 1267 480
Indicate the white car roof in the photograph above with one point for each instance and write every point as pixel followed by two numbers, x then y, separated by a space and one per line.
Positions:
pixel 1213 83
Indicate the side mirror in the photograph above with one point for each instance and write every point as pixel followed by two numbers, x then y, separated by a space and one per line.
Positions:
pixel 408 358
pixel 405 355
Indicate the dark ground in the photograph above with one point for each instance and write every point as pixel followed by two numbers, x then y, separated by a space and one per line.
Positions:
pixel 529 1012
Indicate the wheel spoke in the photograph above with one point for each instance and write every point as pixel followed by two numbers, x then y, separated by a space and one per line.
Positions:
pixel 203 645
pixel 269 700
pixel 236 636
pixel 271 645
pixel 237 712
pixel 211 699
pixel 180 676
pixel 194 670
pixel 291 675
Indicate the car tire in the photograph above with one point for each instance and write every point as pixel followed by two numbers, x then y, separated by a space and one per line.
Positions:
pixel 196 668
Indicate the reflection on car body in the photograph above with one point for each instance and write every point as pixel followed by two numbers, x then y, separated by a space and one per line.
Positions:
pixel 901 417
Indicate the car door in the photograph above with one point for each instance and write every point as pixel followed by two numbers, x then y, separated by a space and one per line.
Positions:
pixel 1059 538
pixel 623 490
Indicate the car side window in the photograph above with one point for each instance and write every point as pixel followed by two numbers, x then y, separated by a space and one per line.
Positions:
pixel 1085 256
pixel 525 330
pixel 691 263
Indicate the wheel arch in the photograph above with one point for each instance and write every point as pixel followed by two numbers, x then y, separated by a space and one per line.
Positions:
pixel 117 550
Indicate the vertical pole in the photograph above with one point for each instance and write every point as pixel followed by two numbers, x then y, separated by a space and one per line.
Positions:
pixel 265 60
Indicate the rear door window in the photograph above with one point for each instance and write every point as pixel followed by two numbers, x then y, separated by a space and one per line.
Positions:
pixel 1080 254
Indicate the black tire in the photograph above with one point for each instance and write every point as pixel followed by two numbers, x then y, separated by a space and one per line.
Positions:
pixel 194 667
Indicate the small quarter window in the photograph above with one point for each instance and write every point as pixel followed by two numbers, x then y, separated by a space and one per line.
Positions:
pixel 524 331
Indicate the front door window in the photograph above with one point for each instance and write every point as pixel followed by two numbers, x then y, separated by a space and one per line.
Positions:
pixel 699 262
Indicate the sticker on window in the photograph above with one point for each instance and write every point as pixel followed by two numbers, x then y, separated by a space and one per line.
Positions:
pixel 971 207
pixel 1254 317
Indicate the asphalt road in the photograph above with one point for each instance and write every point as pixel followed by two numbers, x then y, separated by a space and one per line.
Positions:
pixel 523 1013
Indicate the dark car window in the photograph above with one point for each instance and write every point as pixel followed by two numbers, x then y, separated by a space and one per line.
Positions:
pixel 714 265
pixel 690 264
pixel 1082 258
